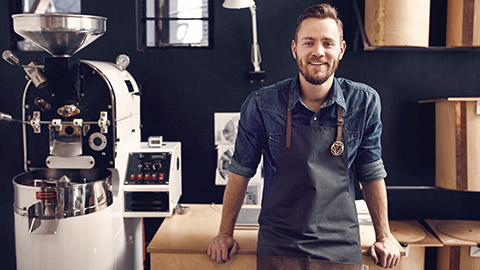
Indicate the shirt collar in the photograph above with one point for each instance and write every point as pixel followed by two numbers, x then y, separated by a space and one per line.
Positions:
pixel 335 95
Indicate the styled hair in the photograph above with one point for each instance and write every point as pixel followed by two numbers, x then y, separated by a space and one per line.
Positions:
pixel 320 11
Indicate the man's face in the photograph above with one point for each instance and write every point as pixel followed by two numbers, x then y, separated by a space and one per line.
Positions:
pixel 318 49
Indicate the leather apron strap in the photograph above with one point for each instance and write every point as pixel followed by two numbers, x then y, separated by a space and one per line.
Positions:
pixel 338 147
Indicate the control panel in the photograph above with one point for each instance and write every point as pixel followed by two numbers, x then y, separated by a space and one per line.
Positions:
pixel 153 181
pixel 149 168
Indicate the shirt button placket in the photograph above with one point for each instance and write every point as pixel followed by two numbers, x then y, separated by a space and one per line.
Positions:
pixel 315 122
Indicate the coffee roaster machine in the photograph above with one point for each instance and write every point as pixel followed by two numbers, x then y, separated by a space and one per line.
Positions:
pixel 88 179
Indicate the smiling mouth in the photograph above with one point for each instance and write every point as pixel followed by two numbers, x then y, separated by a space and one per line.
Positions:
pixel 317 63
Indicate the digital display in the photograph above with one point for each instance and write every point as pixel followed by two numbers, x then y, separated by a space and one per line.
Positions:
pixel 158 156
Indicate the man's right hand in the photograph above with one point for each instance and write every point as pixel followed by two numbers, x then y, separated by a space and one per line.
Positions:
pixel 222 248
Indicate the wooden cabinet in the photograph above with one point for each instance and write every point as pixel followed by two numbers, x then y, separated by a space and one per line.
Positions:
pixel 460 238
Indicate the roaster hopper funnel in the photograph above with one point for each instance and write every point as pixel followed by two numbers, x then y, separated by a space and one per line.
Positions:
pixel 59 34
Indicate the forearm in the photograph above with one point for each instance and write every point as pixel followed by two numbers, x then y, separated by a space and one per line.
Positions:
pixel 375 195
pixel 232 202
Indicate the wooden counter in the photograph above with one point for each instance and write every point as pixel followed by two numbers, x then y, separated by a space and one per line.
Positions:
pixel 181 242
pixel 412 233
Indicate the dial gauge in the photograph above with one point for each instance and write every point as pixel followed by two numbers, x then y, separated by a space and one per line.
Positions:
pixel 123 61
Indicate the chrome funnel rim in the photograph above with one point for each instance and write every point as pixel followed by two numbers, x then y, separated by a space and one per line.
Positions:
pixel 60 34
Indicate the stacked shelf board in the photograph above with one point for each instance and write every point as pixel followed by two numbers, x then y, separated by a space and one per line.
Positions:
pixel 461 240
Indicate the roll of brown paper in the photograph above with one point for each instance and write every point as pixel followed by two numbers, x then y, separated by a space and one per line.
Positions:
pixel 463 23
pixel 397 23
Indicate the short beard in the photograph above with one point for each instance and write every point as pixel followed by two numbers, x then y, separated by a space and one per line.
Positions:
pixel 312 79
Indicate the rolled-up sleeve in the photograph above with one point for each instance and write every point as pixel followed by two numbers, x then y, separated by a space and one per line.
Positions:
pixel 250 139
pixel 371 171
pixel 368 162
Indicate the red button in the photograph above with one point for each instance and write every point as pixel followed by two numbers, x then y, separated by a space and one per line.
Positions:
pixel 154 176
pixel 132 176
pixel 160 176
pixel 139 176
pixel 147 176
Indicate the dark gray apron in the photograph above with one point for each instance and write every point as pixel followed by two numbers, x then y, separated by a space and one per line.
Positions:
pixel 309 212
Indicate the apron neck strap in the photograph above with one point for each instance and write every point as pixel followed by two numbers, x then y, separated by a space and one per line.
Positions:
pixel 339 123
pixel 288 137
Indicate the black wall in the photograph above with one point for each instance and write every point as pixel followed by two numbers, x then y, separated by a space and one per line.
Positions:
pixel 183 88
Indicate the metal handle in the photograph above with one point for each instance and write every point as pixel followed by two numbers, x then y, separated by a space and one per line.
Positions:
pixel 9 118
pixel 11 58
pixel 5 117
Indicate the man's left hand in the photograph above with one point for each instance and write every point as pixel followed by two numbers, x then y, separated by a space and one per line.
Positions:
pixel 385 252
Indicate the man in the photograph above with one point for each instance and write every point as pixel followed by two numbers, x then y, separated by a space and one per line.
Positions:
pixel 311 130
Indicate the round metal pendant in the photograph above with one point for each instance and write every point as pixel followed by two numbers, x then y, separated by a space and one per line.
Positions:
pixel 337 148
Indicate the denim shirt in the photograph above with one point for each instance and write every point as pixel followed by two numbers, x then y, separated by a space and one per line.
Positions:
pixel 264 116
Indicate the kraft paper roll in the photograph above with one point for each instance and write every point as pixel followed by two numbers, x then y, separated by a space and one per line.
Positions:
pixel 397 23
pixel 463 23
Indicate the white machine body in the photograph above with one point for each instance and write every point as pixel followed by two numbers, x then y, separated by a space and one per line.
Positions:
pixel 74 206
pixel 111 238
pixel 75 245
